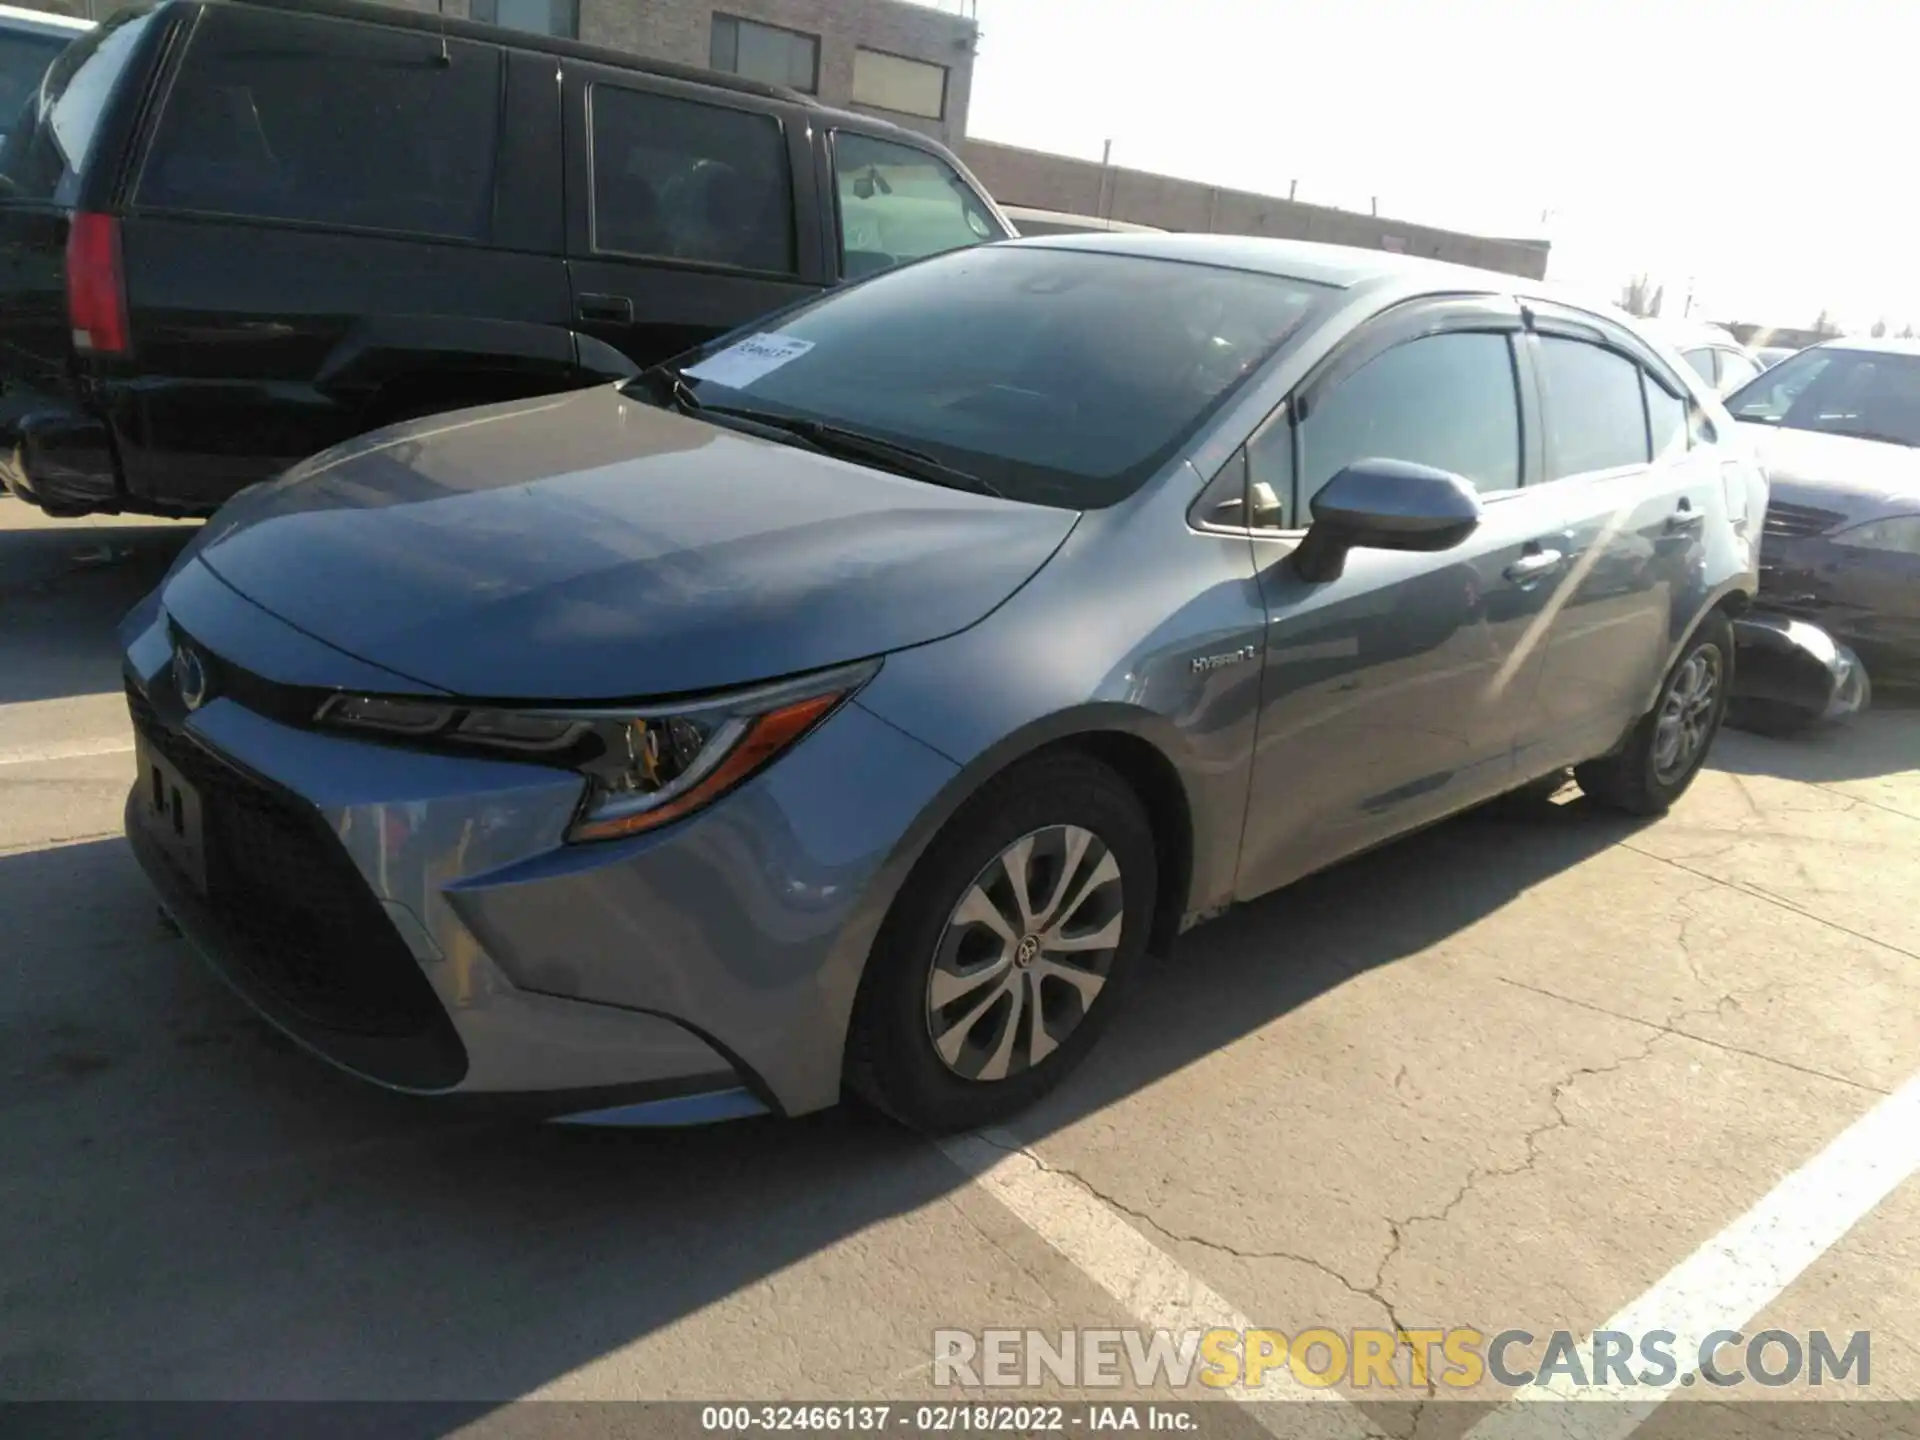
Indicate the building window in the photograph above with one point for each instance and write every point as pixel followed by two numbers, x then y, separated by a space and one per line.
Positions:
pixel 892 82
pixel 766 52
pixel 542 17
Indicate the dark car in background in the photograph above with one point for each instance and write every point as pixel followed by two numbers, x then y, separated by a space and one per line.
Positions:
pixel 234 234
pixel 1838 427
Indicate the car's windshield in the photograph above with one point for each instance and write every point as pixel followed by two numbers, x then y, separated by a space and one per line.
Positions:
pixel 24 58
pixel 1052 375
pixel 1844 392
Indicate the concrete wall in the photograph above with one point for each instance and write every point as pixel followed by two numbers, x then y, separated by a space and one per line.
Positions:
pixel 1059 182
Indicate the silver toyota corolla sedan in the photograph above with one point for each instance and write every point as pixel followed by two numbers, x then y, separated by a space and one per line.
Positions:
pixel 853 704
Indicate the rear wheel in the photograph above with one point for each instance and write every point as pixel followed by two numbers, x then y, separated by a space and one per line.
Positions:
pixel 1670 744
pixel 1008 950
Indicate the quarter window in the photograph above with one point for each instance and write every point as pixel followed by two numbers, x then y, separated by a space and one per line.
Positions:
pixel 686 181
pixel 1666 419
pixel 285 117
pixel 893 82
pixel 1444 400
pixel 899 203
pixel 1595 418
pixel 765 52
pixel 540 17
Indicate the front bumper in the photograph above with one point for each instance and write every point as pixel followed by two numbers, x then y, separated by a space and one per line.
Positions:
pixel 417 919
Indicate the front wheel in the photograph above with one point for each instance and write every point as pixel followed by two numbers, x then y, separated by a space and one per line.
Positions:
pixel 1669 745
pixel 1008 949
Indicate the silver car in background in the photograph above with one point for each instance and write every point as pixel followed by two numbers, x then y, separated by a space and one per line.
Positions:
pixel 854 703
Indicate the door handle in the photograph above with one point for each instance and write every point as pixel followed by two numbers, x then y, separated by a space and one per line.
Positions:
pixel 605 309
pixel 1685 520
pixel 1533 565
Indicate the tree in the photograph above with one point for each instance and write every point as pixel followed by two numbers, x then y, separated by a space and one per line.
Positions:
pixel 1659 299
pixel 1879 329
pixel 1906 331
pixel 1636 297
pixel 1825 325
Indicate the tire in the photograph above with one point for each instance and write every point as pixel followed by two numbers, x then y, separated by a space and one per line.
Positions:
pixel 1646 775
pixel 989 973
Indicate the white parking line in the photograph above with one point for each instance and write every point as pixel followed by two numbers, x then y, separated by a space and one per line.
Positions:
pixel 1155 1288
pixel 1736 1274
pixel 64 750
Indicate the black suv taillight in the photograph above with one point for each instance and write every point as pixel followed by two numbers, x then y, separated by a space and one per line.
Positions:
pixel 96 290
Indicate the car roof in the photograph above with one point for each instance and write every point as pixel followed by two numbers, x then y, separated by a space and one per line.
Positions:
pixel 1886 345
pixel 1343 266
pixel 433 23
pixel 43 22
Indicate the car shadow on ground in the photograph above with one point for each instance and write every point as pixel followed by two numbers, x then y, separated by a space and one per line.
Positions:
pixel 1885 740
pixel 63 587
pixel 196 1209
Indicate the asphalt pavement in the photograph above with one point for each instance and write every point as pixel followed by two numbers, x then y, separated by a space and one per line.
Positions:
pixel 1540 1068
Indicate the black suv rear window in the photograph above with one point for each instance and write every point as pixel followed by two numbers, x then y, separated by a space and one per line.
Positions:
pixel 290 117
pixel 50 137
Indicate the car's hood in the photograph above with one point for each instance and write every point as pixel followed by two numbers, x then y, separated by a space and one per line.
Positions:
pixel 1858 478
pixel 592 547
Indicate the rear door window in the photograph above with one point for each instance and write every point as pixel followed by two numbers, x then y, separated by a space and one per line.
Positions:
pixel 899 203
pixel 289 117
pixel 1735 371
pixel 1595 417
pixel 51 137
pixel 680 180
pixel 1702 363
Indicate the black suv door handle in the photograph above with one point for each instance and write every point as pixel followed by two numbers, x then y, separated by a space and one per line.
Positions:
pixel 1685 519
pixel 605 309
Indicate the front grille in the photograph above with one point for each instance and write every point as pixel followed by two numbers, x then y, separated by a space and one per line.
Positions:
pixel 1793 522
pixel 302 920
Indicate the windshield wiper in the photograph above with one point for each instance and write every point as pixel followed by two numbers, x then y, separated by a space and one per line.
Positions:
pixel 821 435
pixel 858 445
pixel 667 384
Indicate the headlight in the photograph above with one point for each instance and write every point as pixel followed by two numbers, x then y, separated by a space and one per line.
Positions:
pixel 644 765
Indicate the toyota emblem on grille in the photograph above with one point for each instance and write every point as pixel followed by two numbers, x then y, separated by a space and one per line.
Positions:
pixel 190 676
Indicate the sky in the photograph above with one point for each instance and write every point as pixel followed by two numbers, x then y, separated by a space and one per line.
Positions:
pixel 1759 153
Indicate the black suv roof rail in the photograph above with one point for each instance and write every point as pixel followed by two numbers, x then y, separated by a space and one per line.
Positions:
pixel 430 23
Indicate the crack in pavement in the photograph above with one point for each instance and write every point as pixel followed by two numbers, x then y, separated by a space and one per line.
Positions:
pixel 1674 1030
pixel 1757 893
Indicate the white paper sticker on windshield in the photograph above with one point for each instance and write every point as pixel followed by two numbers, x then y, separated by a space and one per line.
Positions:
pixel 740 365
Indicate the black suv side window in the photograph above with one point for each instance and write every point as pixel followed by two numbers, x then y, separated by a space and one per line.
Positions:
pixel 898 203
pixel 1443 400
pixel 678 180
pixel 290 117
pixel 1595 417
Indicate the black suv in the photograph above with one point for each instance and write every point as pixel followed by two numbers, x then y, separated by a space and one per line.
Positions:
pixel 234 232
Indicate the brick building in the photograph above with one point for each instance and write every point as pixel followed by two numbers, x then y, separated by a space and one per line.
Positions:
pixel 909 63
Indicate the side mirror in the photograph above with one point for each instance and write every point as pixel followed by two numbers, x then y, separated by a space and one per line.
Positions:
pixel 1384 505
